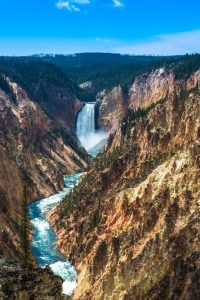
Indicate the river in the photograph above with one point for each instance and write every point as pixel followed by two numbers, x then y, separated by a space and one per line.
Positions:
pixel 44 238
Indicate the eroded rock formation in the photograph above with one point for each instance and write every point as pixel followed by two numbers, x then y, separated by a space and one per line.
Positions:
pixel 132 225
pixel 17 282
pixel 32 154
pixel 145 90
pixel 111 107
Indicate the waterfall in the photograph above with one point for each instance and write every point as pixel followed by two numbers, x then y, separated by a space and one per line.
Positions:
pixel 85 128
pixel 86 121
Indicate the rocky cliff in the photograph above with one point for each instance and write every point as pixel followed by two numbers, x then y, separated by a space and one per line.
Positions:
pixel 21 283
pixel 111 107
pixel 47 85
pixel 58 102
pixel 150 88
pixel 32 154
pixel 132 225
pixel 146 89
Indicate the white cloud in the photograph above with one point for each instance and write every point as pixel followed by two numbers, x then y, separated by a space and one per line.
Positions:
pixel 104 40
pixel 167 44
pixel 71 5
pixel 118 3
pixel 81 1
pixel 67 5
pixel 75 5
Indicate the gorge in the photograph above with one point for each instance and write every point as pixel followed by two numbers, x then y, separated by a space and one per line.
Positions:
pixel 125 224
pixel 130 224
pixel 44 239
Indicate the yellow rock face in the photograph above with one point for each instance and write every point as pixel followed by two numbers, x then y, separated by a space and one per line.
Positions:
pixel 132 225
pixel 145 90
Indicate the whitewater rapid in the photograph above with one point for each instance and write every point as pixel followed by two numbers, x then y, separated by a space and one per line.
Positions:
pixel 85 128
pixel 44 238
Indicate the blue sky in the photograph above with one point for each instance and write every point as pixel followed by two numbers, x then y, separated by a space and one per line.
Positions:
pixel 125 26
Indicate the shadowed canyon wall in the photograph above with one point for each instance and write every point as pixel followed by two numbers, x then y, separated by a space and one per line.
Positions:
pixel 26 284
pixel 32 154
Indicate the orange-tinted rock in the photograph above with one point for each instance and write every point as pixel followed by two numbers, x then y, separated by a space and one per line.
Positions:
pixel 32 154
pixel 111 107
pixel 132 225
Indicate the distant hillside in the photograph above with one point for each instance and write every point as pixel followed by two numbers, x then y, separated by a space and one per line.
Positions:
pixel 107 70
pixel 46 84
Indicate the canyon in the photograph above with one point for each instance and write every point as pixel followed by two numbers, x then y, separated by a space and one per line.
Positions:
pixel 131 226
pixel 146 89
pixel 34 155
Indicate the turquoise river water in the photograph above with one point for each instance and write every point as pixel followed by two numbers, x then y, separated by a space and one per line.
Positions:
pixel 44 238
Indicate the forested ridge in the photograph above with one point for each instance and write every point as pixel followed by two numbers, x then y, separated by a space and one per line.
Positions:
pixel 104 70
pixel 46 84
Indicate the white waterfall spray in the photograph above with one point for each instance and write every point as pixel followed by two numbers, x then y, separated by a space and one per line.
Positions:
pixel 85 128
pixel 86 120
